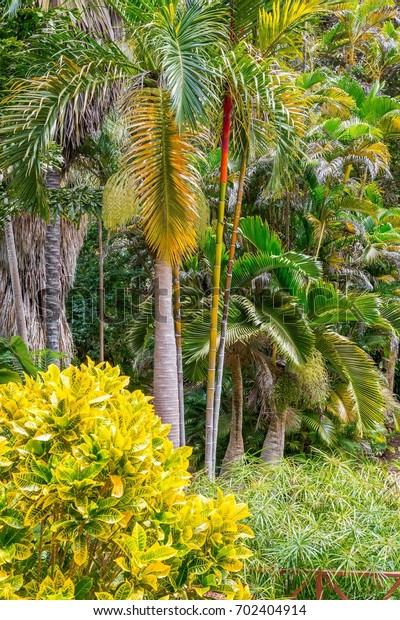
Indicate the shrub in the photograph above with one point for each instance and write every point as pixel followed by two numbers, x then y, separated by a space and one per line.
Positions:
pixel 93 501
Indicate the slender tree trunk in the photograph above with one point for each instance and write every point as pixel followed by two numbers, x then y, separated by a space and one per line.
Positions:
pixel 101 290
pixel 227 295
pixel 53 285
pixel 216 287
pixel 178 338
pixel 166 395
pixel 274 444
pixel 236 446
pixel 15 280
pixel 53 273
pixel 391 361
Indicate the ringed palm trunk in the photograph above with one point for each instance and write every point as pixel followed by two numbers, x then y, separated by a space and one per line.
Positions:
pixel 166 395
pixel 15 280
pixel 53 273
pixel 236 446
pixel 274 443
pixel 227 295
pixel 216 288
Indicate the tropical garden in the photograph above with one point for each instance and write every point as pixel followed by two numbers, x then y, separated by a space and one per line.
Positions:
pixel 199 298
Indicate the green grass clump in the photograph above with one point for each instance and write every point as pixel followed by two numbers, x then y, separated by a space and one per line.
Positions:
pixel 321 513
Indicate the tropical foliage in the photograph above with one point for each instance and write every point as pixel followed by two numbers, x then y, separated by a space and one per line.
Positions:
pixel 222 178
pixel 88 473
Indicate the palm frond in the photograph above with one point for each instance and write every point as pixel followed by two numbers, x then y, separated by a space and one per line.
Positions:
pixel 158 159
pixel 280 26
pixel 358 373
pixel 181 42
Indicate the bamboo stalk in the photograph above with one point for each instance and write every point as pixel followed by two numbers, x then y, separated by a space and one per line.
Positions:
pixel 227 295
pixel 216 287
pixel 101 290
pixel 178 336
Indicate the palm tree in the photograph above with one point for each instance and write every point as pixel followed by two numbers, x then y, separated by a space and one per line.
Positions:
pixel 359 23
pixel 272 33
pixel 48 323
pixel 164 87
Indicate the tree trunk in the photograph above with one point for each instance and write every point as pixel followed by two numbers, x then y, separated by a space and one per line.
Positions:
pixel 179 361
pixel 166 397
pixel 101 291
pixel 216 287
pixel 29 235
pixel 53 285
pixel 391 361
pixel 274 444
pixel 236 446
pixel 15 280
pixel 227 295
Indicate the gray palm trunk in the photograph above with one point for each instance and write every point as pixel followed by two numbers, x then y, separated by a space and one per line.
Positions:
pixel 53 273
pixel 15 280
pixel 236 446
pixel 166 395
pixel 274 443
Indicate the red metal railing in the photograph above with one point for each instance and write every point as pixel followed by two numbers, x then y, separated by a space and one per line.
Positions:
pixel 326 579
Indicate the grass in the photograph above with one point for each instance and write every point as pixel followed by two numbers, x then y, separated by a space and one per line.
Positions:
pixel 321 513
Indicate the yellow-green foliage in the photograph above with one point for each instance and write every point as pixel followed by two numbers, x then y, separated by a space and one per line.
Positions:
pixel 93 502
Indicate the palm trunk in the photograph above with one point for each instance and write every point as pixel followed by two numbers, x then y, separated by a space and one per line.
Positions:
pixel 227 295
pixel 53 285
pixel 166 394
pixel 216 288
pixel 53 273
pixel 274 444
pixel 236 446
pixel 15 280
pixel 178 338
pixel 101 291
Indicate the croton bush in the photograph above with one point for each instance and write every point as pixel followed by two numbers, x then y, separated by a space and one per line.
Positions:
pixel 93 501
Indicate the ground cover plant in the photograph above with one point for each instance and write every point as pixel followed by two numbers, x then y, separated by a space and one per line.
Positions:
pixel 93 501
pixel 327 513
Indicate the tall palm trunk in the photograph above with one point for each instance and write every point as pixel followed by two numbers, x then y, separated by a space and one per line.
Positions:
pixel 166 395
pixel 236 446
pixel 179 361
pixel 53 272
pixel 15 280
pixel 216 287
pixel 227 295
pixel 101 290
pixel 274 444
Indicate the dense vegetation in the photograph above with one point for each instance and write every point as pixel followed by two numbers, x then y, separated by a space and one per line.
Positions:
pixel 206 194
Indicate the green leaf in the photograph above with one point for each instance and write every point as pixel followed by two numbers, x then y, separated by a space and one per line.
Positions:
pixel 83 588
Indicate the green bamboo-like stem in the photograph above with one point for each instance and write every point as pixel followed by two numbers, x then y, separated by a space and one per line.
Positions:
pixel 101 289
pixel 347 173
pixel 226 127
pixel 40 549
pixel 227 295
pixel 322 214
pixel 179 362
